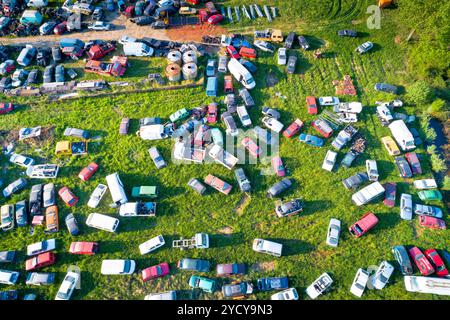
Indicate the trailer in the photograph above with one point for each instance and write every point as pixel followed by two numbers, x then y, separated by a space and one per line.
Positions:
pixel 440 286
pixel 199 241
pixel 138 209
pixel 183 21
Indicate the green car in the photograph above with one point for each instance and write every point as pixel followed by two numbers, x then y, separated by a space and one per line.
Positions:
pixel 207 285
pixel 145 192
pixel 179 115
pixel 430 195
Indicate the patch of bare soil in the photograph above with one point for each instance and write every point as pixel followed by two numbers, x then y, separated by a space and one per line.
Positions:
pixel 193 32
pixel 226 230
pixel 263 266
pixel 242 204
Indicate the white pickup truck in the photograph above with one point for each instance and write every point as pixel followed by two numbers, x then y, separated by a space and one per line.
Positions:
pixel 223 157
pixel 138 209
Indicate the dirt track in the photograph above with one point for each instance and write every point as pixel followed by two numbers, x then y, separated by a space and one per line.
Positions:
pixel 123 27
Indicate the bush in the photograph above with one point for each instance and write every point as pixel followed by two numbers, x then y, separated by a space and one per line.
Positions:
pixel 437 163
pixel 421 93
pixel 438 109
pixel 446 183
pixel 430 133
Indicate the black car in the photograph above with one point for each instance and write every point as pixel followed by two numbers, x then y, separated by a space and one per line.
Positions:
pixel 403 167
pixel 355 181
pixel 72 225
pixel 143 20
pixel 276 283
pixel 384 87
pixel 98 13
pixel 401 255
pixel 292 61
pixel 56 54
pixel 279 187
pixel 289 42
pixel 303 43
pixel 5 83
pixel 348 33
pixel 48 73
pixel 159 25
pixel 32 76
pixel 248 65
pixel 35 203
pixel 43 57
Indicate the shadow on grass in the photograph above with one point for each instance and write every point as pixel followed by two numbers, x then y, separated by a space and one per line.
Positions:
pixel 292 247
pixel 226 240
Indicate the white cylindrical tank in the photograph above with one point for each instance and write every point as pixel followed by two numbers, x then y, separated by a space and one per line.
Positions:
pixel 189 56
pixel 174 56
pixel 190 71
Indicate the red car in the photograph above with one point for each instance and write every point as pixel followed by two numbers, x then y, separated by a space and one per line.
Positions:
pixel 60 28
pixel 228 84
pixel 278 166
pixel 233 52
pixel 203 15
pixel 252 147
pixel 293 128
pixel 312 104
pixel 88 248
pixel 438 263
pixel 67 196
pixel 153 272
pixel 367 222
pixel 215 19
pixel 322 127
pixel 6 107
pixel 414 162
pixel 432 222
pixel 212 113
pixel 421 261
pixel 389 194
pixel 40 261
pixel 247 52
pixel 88 171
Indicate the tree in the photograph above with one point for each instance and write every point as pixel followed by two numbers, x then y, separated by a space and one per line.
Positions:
pixel 421 93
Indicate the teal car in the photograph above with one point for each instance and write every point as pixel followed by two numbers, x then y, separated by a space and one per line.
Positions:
pixel 179 115
pixel 430 195
pixel 207 285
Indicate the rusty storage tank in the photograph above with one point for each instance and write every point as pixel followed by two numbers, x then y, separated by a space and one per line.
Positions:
pixel 189 56
pixel 174 56
pixel 173 72
pixel 190 71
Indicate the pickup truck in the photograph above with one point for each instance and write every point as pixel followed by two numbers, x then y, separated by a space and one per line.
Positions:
pixel 322 127
pixel 267 284
pixel 223 157
pixel 104 68
pixel 344 136
pixel 98 51
pixel 218 184
pixel 138 209
pixel 350 107
pixel 71 148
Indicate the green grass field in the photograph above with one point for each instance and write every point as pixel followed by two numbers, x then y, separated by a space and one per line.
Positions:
pixel 181 212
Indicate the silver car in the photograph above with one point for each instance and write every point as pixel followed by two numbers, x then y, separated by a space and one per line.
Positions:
pixel 406 206
pixel 157 158
pixel 334 230
pixel 49 195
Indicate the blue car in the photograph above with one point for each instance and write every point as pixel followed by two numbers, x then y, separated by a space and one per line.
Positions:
pixel 189 264
pixel 110 5
pixel 311 140
pixel 247 64
pixel 267 284
pixel 239 43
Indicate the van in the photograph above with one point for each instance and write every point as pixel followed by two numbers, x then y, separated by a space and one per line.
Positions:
pixel 169 295
pixel 360 227
pixel 138 49
pixel 8 277
pixel 241 74
pixel 402 135
pixel 211 87
pixel 152 244
pixel 266 246
pixel 26 55
pixel 102 222
pixel 116 188
pixel 372 170
pixel 367 194
pixel 222 67
pixel 151 132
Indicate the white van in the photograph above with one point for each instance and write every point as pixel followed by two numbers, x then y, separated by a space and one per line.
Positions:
pixel 8 277
pixel 241 74
pixel 367 194
pixel 402 135
pixel 138 49
pixel 169 295
pixel 116 189
pixel 151 132
pixel 372 170
pixel 152 244
pixel 102 222
pixel 266 246
pixel 432 285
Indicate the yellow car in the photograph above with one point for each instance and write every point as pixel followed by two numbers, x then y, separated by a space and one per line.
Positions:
pixel 390 146
pixel 187 11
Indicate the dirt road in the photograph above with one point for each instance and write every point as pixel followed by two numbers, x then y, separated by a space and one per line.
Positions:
pixel 123 26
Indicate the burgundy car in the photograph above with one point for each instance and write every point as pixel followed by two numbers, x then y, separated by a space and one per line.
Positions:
pixel 233 52
pixel 389 194
pixel 67 196
pixel 227 269
pixel 87 172
pixel 60 28
pixel 153 272
pixel 6 107
pixel 414 162
pixel 437 261
pixel 421 261
pixel 215 19
pixel 293 128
